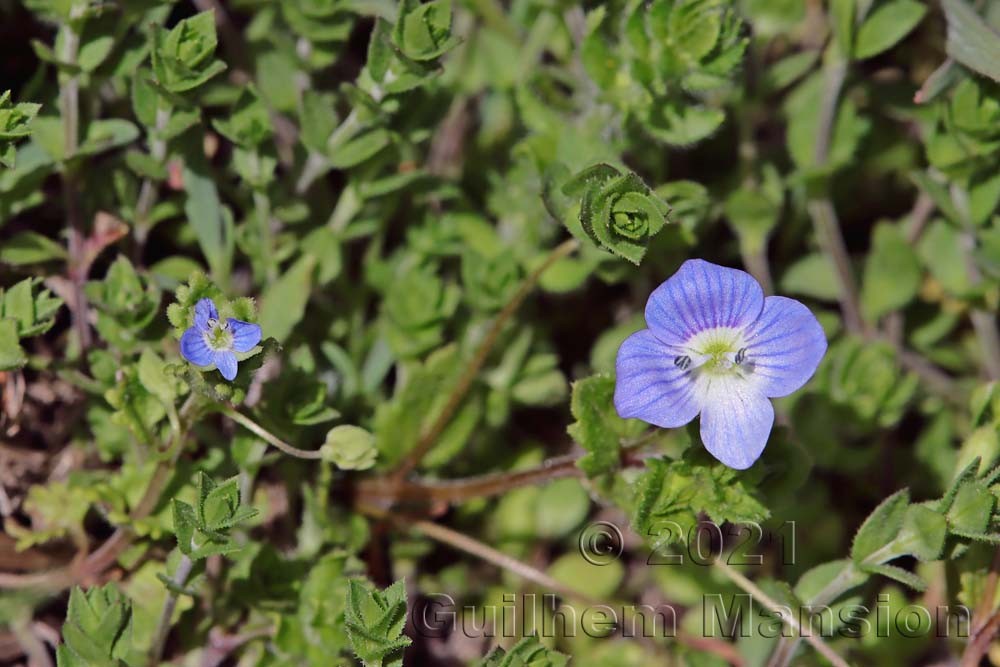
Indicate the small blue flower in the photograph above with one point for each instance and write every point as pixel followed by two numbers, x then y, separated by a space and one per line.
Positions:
pixel 716 347
pixel 209 342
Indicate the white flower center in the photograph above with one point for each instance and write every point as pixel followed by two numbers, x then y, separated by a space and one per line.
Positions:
pixel 218 337
pixel 718 352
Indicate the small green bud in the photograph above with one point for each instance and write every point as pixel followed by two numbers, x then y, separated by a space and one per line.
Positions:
pixel 350 448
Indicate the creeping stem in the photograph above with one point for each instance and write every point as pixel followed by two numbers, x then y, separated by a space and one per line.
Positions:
pixel 474 547
pixel 69 109
pixel 765 600
pixel 181 575
pixel 821 209
pixel 269 437
pixel 430 436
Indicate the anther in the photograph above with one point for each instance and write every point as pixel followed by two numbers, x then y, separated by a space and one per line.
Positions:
pixel 682 362
pixel 741 355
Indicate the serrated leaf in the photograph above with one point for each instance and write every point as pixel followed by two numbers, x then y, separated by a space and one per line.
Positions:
pixel 881 527
pixel 898 574
pixel 374 620
pixel 598 428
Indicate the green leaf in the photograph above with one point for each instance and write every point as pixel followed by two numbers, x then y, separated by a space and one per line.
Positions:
pixel 899 574
pixel 153 375
pixel 971 41
pixel 249 124
pixel 598 428
pixel 98 627
pixel 15 120
pixel 618 212
pixel 842 17
pixel 204 211
pixel 813 276
pixel 30 248
pixel 182 57
pixel 358 149
pixel 283 304
pixel 185 524
pixel 881 527
pixel 528 652
pixel 12 356
pixel 892 272
pixel 374 620
pixel 423 30
pixel 678 491
pixel 886 25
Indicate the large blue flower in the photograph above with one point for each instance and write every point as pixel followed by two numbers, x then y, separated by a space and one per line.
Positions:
pixel 716 347
pixel 209 342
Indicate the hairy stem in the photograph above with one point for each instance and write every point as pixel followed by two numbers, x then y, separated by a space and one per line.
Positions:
pixel 148 190
pixel 69 109
pixel 181 575
pixel 821 210
pixel 430 436
pixel 474 547
pixel 765 600
pixel 269 437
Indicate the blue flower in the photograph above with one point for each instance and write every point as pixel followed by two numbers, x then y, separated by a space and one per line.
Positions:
pixel 716 347
pixel 209 342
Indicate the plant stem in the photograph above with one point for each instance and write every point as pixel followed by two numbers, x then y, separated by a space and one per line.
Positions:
pixel 148 190
pixel 474 547
pixel 824 216
pixel 765 600
pixel 430 436
pixel 385 492
pixel 262 209
pixel 69 109
pixel 33 647
pixel 983 322
pixel 181 574
pixel 269 437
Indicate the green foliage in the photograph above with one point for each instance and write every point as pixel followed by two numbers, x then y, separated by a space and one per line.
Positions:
pixel 24 312
pixel 204 529
pixel 617 212
pixel 598 429
pixel 676 492
pixel 15 120
pixel 528 651
pixel 183 56
pixel 374 621
pixel 98 629
pixel 380 186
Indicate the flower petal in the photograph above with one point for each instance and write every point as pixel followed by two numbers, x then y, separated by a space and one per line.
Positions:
pixel 226 363
pixel 204 311
pixel 701 296
pixel 735 421
pixel 245 334
pixel 194 348
pixel 649 384
pixel 785 345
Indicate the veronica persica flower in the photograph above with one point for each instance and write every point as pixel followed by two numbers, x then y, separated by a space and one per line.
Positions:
pixel 716 347
pixel 211 342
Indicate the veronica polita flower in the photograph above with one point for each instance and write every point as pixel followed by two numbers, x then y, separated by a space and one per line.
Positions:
pixel 717 347
pixel 212 342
